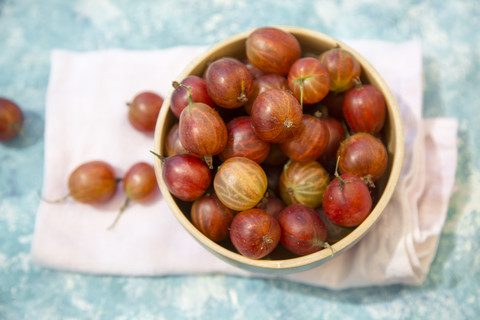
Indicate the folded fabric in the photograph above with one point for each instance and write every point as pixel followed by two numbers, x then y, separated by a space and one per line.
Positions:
pixel 86 119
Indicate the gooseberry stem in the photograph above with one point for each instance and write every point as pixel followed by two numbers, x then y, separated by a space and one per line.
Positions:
pixel 336 172
pixel 120 212
pixel 157 155
pixel 300 80
pixel 301 93
pixel 327 245
pixel 189 92
pixel 357 83
pixel 65 197
pixel 242 97
pixel 20 129
pixel 209 161
pixel 265 240
pixel 345 128
pixel 318 114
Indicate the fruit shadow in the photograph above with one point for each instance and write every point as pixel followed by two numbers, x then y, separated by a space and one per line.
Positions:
pixel 32 131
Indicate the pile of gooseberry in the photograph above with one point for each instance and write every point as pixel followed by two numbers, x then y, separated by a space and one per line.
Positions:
pixel 277 148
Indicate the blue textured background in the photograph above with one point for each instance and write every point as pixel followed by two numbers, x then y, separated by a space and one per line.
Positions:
pixel 29 29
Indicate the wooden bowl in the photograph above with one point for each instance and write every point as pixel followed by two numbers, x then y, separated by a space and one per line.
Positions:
pixel 282 262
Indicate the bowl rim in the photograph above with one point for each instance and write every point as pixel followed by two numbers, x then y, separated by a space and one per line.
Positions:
pixel 314 259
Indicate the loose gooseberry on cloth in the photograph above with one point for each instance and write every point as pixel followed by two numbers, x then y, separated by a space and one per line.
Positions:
pixel 11 119
pixel 139 184
pixel 143 110
pixel 92 182
pixel 240 183
pixel 254 233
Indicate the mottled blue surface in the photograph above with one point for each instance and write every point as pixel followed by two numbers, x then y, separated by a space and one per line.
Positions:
pixel 29 29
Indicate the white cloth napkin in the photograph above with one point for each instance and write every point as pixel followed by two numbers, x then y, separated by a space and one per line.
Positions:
pixel 86 119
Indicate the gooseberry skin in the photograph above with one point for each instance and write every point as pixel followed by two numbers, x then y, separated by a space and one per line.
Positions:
pixel 336 134
pixel 201 130
pixel 139 182
pixel 212 217
pixel 364 108
pixel 303 231
pixel 179 99
pixel 92 182
pixel 243 142
pixel 273 205
pixel 229 82
pixel 173 145
pixel 264 83
pixel 276 116
pixel 11 119
pixel 347 201
pixel 303 183
pixel 143 111
pixel 342 67
pixel 309 143
pixel 256 73
pixel 363 155
pixel 333 104
pixel 240 183
pixel 272 50
pixel 186 176
pixel 254 233
pixel 310 73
